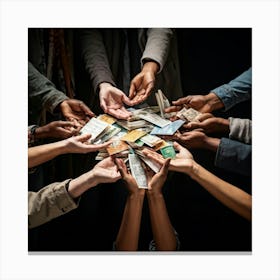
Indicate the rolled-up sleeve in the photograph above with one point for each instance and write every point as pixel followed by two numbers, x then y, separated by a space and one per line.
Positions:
pixel 234 156
pixel 48 203
pixel 236 91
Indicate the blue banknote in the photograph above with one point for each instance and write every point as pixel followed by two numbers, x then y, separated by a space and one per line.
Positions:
pixel 169 129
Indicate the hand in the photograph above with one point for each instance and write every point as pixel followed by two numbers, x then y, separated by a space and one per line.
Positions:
pixel 105 171
pixel 56 129
pixel 112 101
pixel 202 103
pixel 155 182
pixel 143 83
pixel 76 110
pixel 131 183
pixel 80 145
pixel 209 125
pixel 183 161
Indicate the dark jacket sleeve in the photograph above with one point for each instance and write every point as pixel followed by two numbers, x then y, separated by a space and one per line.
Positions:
pixel 95 57
pixel 234 156
pixel 41 91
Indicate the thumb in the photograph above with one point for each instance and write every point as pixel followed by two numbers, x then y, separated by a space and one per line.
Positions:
pixel 83 138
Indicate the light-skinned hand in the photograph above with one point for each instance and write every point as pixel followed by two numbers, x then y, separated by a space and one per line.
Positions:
pixel 112 101
pixel 143 83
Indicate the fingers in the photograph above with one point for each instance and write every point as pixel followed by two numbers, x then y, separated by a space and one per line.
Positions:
pixel 178 147
pixel 165 167
pixel 119 113
pixel 121 168
pixel 173 109
pixel 204 116
pixel 83 138
pixel 193 125
pixel 181 101
pixel 86 109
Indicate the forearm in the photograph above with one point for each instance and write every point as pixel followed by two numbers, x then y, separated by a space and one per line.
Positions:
pixel 95 57
pixel 231 196
pixel 42 91
pixel 163 232
pixel 81 184
pixel 43 153
pixel 127 239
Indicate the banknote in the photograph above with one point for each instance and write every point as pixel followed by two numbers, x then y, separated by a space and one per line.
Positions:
pixel 137 171
pixel 106 118
pixel 94 127
pixel 154 119
pixel 169 129
pixel 162 102
pixel 110 132
pixel 133 135
pixel 168 152
pixel 117 147
pixel 150 140
pixel 152 164
pixel 189 114
pixel 130 125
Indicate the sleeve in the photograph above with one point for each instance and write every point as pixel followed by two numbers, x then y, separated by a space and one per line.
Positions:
pixel 42 91
pixel 157 46
pixel 236 91
pixel 48 203
pixel 234 156
pixel 241 130
pixel 95 58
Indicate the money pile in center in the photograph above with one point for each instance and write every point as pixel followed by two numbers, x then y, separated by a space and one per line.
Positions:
pixel 143 129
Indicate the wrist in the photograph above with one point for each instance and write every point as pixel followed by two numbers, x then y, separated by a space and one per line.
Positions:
pixel 224 125
pixel 211 143
pixel 151 66
pixel 154 194
pixel 214 101
pixel 138 195
pixel 104 85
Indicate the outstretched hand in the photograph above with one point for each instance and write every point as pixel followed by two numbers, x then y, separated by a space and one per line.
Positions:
pixel 80 144
pixel 112 101
pixel 76 111
pixel 183 161
pixel 143 83
pixel 131 183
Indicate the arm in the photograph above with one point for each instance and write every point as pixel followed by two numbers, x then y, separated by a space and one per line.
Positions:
pixel 241 130
pixel 55 200
pixel 231 196
pixel 163 232
pixel 234 156
pixel 128 235
pixel 236 91
pixel 95 58
pixel 43 153
pixel 42 91
pixel 153 60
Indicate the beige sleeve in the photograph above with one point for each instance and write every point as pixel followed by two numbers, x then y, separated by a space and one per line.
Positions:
pixel 48 203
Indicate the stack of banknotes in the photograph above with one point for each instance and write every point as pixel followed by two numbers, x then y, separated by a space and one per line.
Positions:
pixel 144 129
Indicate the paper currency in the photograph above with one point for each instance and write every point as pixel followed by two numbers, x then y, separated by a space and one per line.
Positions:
pixel 117 147
pixel 130 125
pixel 163 103
pixel 168 152
pixel 189 114
pixel 150 140
pixel 110 132
pixel 106 118
pixel 152 164
pixel 133 135
pixel 94 127
pixel 169 129
pixel 137 171
pixel 154 119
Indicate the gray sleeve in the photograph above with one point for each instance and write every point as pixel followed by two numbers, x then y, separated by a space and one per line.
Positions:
pixel 236 91
pixel 241 130
pixel 95 58
pixel 41 91
pixel 48 203
pixel 157 45
pixel 234 156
